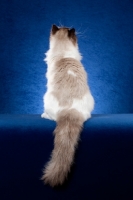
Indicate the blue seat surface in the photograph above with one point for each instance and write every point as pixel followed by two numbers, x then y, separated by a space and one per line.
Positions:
pixel 102 169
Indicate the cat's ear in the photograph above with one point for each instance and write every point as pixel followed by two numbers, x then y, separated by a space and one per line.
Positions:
pixel 54 29
pixel 71 32
pixel 72 35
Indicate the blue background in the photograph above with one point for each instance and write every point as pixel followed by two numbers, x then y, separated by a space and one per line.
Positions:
pixel 105 41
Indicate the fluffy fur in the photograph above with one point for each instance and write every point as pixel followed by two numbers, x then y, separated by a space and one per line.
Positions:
pixel 68 101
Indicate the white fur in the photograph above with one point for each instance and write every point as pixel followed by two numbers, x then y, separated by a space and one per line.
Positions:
pixel 55 53
pixel 84 105
pixel 51 106
pixel 71 72
pixel 60 50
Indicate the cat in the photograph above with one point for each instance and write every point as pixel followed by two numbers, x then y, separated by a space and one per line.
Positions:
pixel 68 101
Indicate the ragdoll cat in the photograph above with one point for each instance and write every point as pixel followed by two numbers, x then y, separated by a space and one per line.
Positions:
pixel 68 101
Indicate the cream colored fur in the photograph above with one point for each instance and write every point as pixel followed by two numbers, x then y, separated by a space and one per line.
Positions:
pixel 68 101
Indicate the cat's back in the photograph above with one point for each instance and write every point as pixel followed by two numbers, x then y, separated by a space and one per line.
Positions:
pixel 71 71
pixel 69 80
pixel 66 65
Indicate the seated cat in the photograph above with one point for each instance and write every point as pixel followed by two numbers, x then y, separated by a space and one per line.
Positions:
pixel 68 101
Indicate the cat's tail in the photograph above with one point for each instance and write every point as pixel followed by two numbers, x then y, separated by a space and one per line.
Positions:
pixel 67 133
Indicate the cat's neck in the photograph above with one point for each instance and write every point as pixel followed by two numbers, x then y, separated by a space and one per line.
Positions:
pixel 55 54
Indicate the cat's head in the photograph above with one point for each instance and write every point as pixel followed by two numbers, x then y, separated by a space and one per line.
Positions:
pixel 63 34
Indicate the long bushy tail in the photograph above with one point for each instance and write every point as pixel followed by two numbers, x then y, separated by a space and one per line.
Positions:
pixel 67 132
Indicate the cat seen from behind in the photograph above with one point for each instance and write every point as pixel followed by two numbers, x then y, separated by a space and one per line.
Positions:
pixel 68 101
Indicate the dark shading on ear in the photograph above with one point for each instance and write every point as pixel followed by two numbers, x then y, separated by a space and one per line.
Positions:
pixel 54 29
pixel 71 32
pixel 72 36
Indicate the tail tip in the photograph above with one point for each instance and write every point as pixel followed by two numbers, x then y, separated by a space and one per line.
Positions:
pixel 53 182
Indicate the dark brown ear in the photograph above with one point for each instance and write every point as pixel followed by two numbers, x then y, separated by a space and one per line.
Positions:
pixel 71 32
pixel 54 29
pixel 72 35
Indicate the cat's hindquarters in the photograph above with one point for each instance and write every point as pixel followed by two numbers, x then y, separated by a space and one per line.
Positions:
pixel 51 106
pixel 84 105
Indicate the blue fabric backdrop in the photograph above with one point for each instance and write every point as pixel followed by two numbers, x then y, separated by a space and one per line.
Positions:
pixel 105 41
